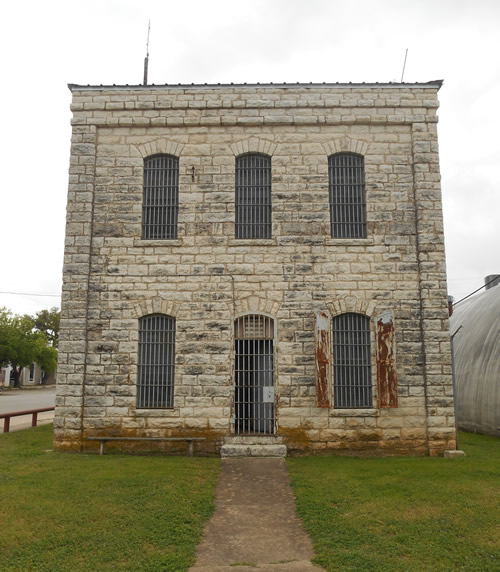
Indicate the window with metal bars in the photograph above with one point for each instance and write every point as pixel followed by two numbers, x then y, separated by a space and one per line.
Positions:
pixel 156 364
pixel 346 173
pixel 253 196
pixel 160 197
pixel 254 374
pixel 352 385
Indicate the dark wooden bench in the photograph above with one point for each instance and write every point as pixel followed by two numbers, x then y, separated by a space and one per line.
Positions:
pixel 189 440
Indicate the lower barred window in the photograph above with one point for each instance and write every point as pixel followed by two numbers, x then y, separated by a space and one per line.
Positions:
pixel 156 366
pixel 352 385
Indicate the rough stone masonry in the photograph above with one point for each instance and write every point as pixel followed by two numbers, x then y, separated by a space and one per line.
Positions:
pixel 300 278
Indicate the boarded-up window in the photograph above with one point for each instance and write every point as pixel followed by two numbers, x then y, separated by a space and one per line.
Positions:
pixel 347 195
pixel 253 196
pixel 352 384
pixel 160 197
pixel 156 365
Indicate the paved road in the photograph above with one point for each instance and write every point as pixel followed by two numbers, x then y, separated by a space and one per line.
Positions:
pixel 21 399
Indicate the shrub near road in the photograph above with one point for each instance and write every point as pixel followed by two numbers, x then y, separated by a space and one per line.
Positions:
pixel 403 513
pixel 84 512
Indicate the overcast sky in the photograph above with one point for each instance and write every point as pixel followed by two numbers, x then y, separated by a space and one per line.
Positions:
pixel 46 45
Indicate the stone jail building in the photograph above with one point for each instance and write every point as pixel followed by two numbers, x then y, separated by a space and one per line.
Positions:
pixel 256 264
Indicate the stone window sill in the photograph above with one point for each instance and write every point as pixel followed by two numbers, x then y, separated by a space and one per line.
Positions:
pixel 163 242
pixel 164 412
pixel 354 412
pixel 348 241
pixel 252 242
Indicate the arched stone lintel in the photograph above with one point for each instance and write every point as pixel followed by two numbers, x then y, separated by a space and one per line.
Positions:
pixel 159 147
pixel 256 305
pixel 352 304
pixel 346 145
pixel 253 145
pixel 155 305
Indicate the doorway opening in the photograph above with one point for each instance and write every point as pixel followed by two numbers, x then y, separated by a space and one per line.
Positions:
pixel 254 375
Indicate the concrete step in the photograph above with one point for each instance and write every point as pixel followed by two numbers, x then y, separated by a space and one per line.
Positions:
pixel 253 440
pixel 253 450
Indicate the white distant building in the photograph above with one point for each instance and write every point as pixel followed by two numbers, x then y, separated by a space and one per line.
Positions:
pixel 30 375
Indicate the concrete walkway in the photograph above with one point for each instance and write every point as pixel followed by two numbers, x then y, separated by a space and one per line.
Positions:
pixel 254 526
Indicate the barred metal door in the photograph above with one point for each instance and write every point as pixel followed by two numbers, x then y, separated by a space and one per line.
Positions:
pixel 254 375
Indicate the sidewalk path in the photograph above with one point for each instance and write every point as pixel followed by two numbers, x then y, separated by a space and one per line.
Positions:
pixel 254 526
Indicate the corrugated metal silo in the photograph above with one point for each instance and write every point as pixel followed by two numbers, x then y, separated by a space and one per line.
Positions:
pixel 477 360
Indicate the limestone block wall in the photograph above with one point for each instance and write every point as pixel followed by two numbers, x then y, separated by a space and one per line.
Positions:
pixel 206 278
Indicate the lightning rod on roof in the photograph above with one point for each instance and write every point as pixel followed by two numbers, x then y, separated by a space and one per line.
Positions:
pixel 404 65
pixel 146 59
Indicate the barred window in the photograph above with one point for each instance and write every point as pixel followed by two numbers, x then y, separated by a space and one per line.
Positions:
pixel 253 196
pixel 160 197
pixel 156 365
pixel 347 195
pixel 352 386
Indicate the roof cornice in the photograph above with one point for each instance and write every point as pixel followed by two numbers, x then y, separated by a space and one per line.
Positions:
pixel 435 84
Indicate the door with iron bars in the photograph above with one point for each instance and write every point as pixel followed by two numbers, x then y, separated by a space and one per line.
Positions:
pixel 254 375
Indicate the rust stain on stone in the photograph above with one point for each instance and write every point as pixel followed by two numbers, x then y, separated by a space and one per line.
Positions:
pixel 386 370
pixel 322 355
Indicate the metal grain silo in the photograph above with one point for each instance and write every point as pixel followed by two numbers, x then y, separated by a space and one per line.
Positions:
pixel 475 328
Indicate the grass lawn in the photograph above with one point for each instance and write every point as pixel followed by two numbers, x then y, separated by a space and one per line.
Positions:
pixel 403 513
pixel 61 511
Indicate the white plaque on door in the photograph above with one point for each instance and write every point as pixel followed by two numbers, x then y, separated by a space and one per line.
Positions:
pixel 268 394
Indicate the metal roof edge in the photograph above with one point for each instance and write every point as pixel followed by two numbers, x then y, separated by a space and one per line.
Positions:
pixel 435 84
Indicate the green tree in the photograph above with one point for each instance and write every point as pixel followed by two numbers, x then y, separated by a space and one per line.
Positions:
pixel 48 321
pixel 22 345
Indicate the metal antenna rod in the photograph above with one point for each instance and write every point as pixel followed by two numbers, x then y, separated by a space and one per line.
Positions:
pixel 146 59
pixel 404 65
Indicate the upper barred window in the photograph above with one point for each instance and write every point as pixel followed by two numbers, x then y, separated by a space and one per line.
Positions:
pixel 347 195
pixel 160 197
pixel 253 196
